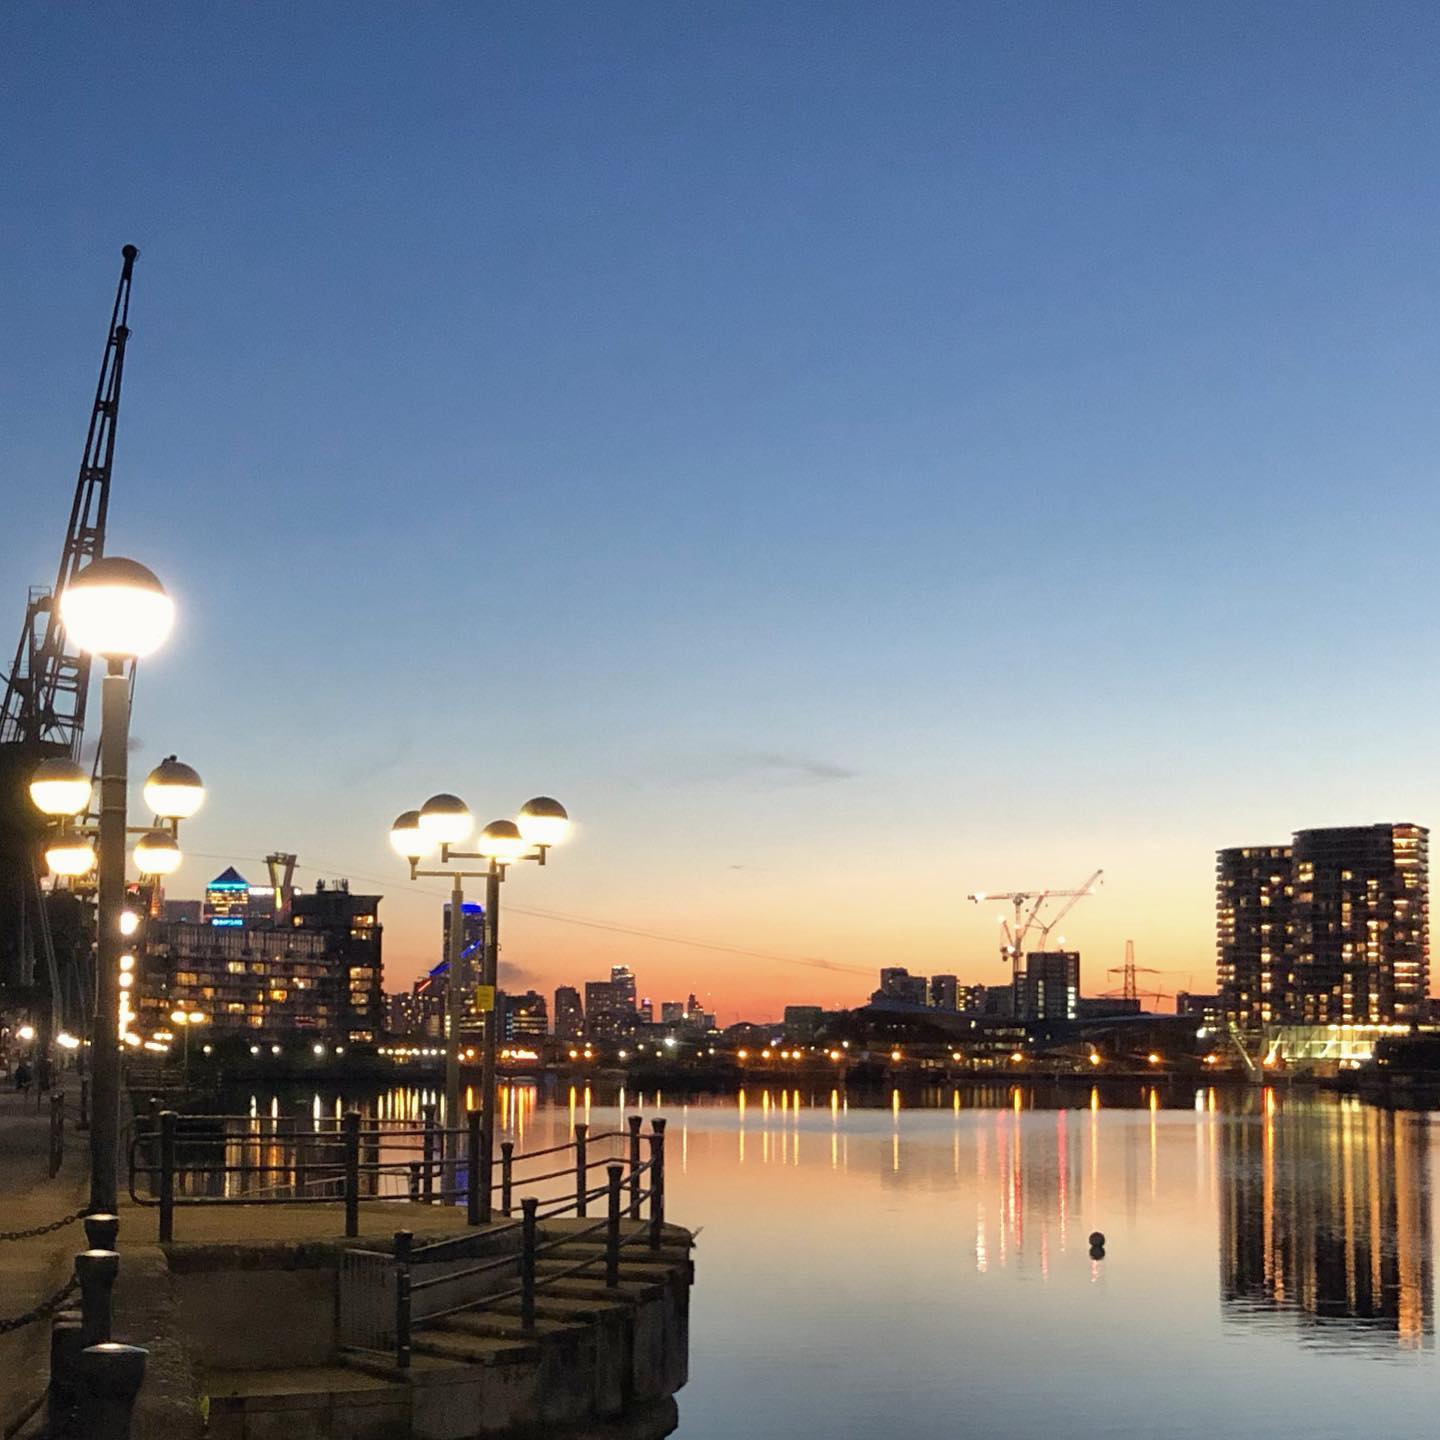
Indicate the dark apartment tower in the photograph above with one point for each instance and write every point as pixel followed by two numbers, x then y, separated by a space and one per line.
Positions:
pixel 1252 916
pixel 1359 932
pixel 569 1014
pixel 1047 985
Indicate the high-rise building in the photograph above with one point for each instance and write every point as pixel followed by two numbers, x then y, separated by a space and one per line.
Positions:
pixel 351 926
pixel 944 992
pixel 1332 929
pixel 569 1014
pixel 622 977
pixel 1047 985
pixel 608 1010
pixel 472 933
pixel 1252 917
pixel 897 983
pixel 672 1012
pixel 525 1017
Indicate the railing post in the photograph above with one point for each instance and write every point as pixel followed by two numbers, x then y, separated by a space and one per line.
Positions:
pixel 612 1227
pixel 472 1168
pixel 427 1175
pixel 350 1129
pixel 413 1169
pixel 404 1241
pixel 528 1207
pixel 168 1120
pixel 57 1131
pixel 110 1379
pixel 582 1167
pixel 657 1182
pixel 634 1122
pixel 507 1173
pixel 84 1121
pixel 96 1271
pixel 487 1175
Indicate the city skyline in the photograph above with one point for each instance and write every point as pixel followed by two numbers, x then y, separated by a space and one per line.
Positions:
pixel 829 558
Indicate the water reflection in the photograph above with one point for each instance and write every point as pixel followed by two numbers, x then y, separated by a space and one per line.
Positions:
pixel 1325 1223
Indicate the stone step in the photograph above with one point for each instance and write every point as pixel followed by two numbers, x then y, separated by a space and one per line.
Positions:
pixel 580 1287
pixel 308 1401
pixel 566 1307
pixel 492 1325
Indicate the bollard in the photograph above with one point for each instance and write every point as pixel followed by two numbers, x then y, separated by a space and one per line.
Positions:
pixel 404 1243
pixel 65 1348
pixel 528 1207
pixel 634 1122
pixel 110 1379
pixel 101 1231
pixel 507 1170
pixel 350 1133
pixel 582 1168
pixel 168 1120
pixel 96 1271
pixel 472 1168
pixel 657 1182
pixel 612 1226
pixel 428 1173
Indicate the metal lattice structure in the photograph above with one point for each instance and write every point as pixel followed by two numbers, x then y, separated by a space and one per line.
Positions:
pixel 49 682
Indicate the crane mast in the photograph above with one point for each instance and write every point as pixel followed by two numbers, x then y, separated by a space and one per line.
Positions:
pixel 1029 905
pixel 49 682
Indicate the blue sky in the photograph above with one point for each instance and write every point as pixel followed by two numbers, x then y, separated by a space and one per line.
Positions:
pixel 854 454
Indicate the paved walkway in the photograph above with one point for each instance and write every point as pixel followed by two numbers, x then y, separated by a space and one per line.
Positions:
pixel 31 1270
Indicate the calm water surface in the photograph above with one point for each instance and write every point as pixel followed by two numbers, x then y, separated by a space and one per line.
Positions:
pixel 924 1266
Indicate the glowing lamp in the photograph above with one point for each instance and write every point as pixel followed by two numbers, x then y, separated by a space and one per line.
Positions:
pixel 117 608
pixel 446 820
pixel 60 787
pixel 543 822
pixel 129 922
pixel 173 790
pixel 502 842
pixel 408 839
pixel 72 856
pixel 157 853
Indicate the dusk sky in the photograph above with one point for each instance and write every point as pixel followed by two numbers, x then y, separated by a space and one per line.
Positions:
pixel 851 454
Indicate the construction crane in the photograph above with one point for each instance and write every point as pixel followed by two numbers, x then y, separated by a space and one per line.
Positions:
pixel 1129 970
pixel 43 714
pixel 1029 905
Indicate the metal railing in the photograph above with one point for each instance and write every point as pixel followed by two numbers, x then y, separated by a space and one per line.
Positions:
pixel 386 1296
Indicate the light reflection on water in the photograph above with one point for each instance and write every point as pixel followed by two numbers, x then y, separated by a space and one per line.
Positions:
pixel 923 1262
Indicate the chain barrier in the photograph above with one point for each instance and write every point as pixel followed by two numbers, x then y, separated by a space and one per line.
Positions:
pixel 44 1310
pixel 54 1225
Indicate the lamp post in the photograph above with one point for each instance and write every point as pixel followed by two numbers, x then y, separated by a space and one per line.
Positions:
pixel 118 610
pixel 442 824
pixel 186 1020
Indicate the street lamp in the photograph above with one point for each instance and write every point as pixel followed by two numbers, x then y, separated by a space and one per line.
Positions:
pixel 186 1019
pixel 442 823
pixel 118 610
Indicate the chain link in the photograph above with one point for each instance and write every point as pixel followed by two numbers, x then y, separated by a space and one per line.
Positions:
pixel 54 1225
pixel 43 1311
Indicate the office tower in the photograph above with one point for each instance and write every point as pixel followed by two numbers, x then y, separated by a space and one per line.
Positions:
pixel 1047 985
pixel 525 1017
pixel 609 1010
pixel 569 1014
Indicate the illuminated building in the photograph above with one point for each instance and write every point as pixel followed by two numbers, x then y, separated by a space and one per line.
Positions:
pixel 319 975
pixel 569 1014
pixel 897 983
pixel 944 992
pixel 609 1009
pixel 1331 929
pixel 525 1017
pixel 622 977
pixel 1047 985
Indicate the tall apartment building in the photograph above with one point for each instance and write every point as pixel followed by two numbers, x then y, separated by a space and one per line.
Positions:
pixel 1047 985
pixel 525 1017
pixel 944 992
pixel 569 1014
pixel 1332 929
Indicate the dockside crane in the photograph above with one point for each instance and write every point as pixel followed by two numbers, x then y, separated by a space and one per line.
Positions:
pixel 43 714
pixel 1029 907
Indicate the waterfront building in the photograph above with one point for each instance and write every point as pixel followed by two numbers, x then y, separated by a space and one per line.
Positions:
pixel 1047 985
pixel 622 977
pixel 182 912
pixel 569 1014
pixel 1252 915
pixel 609 1011
pixel 472 932
pixel 525 1017
pixel 944 992
pixel 1206 1009
pixel 970 999
pixel 1332 929
pixel 318 976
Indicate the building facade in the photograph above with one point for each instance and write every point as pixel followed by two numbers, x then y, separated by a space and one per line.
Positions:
pixel 1047 985
pixel 1332 929
pixel 569 1014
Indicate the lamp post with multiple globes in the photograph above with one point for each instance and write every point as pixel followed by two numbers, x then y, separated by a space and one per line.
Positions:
pixel 118 610
pixel 442 824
